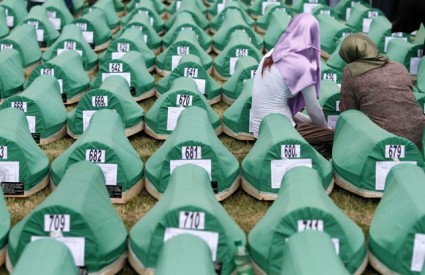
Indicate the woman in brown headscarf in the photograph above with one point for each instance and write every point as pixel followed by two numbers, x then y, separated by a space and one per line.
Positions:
pixel 379 88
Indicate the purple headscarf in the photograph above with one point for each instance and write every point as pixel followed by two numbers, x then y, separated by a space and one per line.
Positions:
pixel 297 56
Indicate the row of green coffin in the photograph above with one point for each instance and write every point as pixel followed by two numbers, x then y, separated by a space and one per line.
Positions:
pixel 97 237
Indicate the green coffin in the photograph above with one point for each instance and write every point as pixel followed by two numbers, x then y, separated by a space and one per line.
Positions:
pixel 72 38
pixel 217 21
pixel 188 146
pixel 420 80
pixel 148 8
pixel 113 94
pixel 233 21
pixel 159 6
pixel 161 120
pixel 236 117
pixel 4 29
pixel 46 257
pixel 343 8
pixel 311 252
pixel 130 66
pixel 329 101
pixel 184 21
pixel 105 143
pixel 239 45
pixel 279 21
pixel 192 7
pixel 185 254
pixel 191 66
pixel 108 8
pixel 16 11
pixel 95 29
pixel 361 17
pixel 42 104
pixel 142 23
pixel 79 214
pixel 22 162
pixel 38 19
pixel 331 30
pixel 11 73
pixel 258 7
pixel 380 28
pixel 173 214
pixel 58 13
pixel 245 69
pixel 185 43
pixel 307 6
pixel 303 205
pixel 372 152
pixel 23 38
pixel 5 218
pixel 130 40
pixel 279 148
pixel 406 53
pixel 396 230
pixel 264 21
pixel 335 61
pixel 68 69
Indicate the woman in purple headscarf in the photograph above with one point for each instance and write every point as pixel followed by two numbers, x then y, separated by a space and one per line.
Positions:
pixel 288 79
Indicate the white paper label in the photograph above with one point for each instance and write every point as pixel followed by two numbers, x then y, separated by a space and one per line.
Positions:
pixel 3 152
pixel 88 36
pixel 31 123
pixel 308 7
pixel 192 220
pixel 335 242
pixel 33 24
pixel 337 106
pixel 56 22
pixel 327 12
pixel 40 35
pixel 366 24
pixel 127 76
pixel 6 47
pixel 241 52
pixel 178 4
pixel 10 20
pixel 204 163
pixel 51 13
pixel 414 65
pixel 220 7
pixel 279 167
pixel 95 155
pixel 394 151
pixel 70 45
pixel 184 100
pixel 99 101
pixel 332 120
pixel 47 71
pixel 116 67
pixel 82 26
pixel 266 4
pixel 117 55
pixel 211 238
pixel 173 115
pixel 75 245
pixel 110 171
pixel 250 122
pixel 329 76
pixel 57 222
pixel 418 256
pixel 123 47
pixel 200 83
pixel 191 152
pixel 232 64
pixel 87 117
pixel 316 225
pixel 382 169
pixel 290 151
pixel 389 38
pixel 9 171
pixel 372 14
pixel 23 106
pixel 191 72
pixel 175 59
pixel 183 50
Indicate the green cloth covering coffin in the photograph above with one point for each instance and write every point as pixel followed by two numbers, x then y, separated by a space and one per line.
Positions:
pixel 79 214
pixel 130 40
pixel 162 118
pixel 233 21
pixel 406 53
pixel 343 8
pixel 236 117
pixel 23 38
pixel 46 257
pixel 279 21
pixel 361 17
pixel 72 38
pixel 264 21
pixel 105 143
pixel 4 220
pixel 68 69
pixel 307 6
pixel 311 252
pixel 58 13
pixel 183 21
pixel 192 4
pixel 4 29
pixel 188 206
pixel 11 73
pixel 191 66
pixel 148 8
pixel 380 28
pixel 331 30
pixel 95 29
pixel 42 104
pixel 239 45
pixel 130 66
pixel 245 69
pixel 371 152
pixel 396 231
pixel 329 101
pixel 420 81
pixel 108 8
pixel 185 254
pixel 185 43
pixel 192 7
pixel 24 167
pixel 113 94
pixel 77 7
pixel 258 7
pixel 46 32
pixel 16 11
pixel 335 61
pixel 141 22
pixel 217 21
pixel 158 5
pixel 303 205
pixel 278 149
pixel 188 146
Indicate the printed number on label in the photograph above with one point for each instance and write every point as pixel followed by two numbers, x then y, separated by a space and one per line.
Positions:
pixel 329 76
pixel 310 225
pixel 394 151
pixel 182 50
pixel 192 220
pixel 47 71
pixel 241 52
pixel 253 73
pixel 95 155
pixel 184 100
pixel 82 26
pixel 123 47
pixel 3 152
pixel 6 47
pixel 291 151
pixel 99 101
pixel 57 222
pixel 191 152
pixel 20 105
pixel 115 68
pixel 33 24
pixel 372 14
pixel 69 45
pixel 191 72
